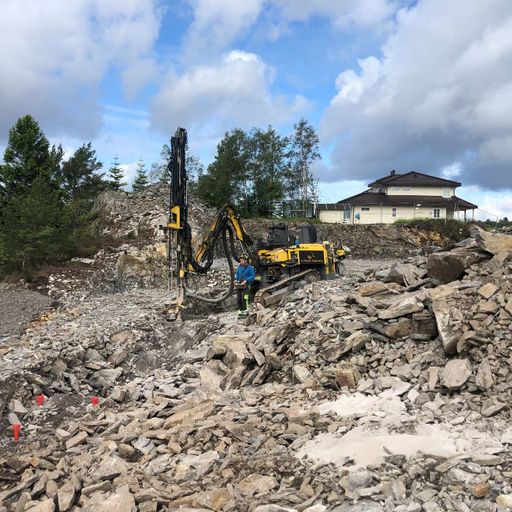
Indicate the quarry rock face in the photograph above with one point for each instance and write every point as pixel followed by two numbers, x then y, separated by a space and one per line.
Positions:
pixel 383 390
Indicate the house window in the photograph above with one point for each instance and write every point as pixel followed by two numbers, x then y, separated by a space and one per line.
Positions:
pixel 393 212
pixel 365 209
pixel 437 213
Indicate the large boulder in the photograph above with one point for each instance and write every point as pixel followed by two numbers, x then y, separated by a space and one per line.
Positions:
pixel 449 266
pixel 496 244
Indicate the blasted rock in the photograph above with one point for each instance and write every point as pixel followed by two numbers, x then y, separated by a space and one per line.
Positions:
pixel 456 373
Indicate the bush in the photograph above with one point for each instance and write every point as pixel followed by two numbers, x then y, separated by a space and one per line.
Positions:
pixel 449 228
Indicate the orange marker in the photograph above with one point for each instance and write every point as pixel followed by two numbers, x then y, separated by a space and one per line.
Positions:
pixel 16 429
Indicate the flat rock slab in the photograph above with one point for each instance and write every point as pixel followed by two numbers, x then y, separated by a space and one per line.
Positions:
pixel 456 373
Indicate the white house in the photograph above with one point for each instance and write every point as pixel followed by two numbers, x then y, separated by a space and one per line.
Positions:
pixel 399 196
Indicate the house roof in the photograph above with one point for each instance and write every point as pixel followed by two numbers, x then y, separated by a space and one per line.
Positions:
pixel 414 178
pixel 378 199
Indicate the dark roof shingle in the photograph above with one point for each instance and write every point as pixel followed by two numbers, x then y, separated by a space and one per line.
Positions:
pixel 378 199
pixel 414 178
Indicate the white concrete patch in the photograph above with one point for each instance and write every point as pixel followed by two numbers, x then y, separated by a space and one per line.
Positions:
pixel 368 443
pixel 370 447
pixel 388 408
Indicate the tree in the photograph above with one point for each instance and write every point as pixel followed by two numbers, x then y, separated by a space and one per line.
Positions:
pixel 267 169
pixel 35 229
pixel 27 156
pixel 227 179
pixel 116 175
pixel 195 169
pixel 34 226
pixel 159 172
pixel 304 150
pixel 80 176
pixel 141 180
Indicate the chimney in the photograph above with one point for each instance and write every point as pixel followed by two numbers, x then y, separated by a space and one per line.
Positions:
pixel 393 172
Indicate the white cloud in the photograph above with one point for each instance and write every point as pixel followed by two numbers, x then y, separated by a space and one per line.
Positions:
pixel 55 55
pixel 440 93
pixel 218 23
pixel 129 173
pixel 236 91
pixel 494 208
pixel 344 13
pixel 452 171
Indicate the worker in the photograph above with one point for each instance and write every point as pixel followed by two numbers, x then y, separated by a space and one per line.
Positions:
pixel 245 275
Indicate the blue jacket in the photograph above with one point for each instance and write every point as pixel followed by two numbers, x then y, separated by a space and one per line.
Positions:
pixel 246 274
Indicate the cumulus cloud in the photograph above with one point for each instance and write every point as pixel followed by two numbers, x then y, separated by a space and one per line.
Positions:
pixel 217 23
pixel 56 54
pixel 236 91
pixel 439 93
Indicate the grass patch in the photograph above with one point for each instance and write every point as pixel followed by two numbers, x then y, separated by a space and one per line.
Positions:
pixel 449 228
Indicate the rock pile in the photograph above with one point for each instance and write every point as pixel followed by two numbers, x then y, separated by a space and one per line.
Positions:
pixel 385 390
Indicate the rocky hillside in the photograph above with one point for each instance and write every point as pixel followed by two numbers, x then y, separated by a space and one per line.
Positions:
pixel 388 389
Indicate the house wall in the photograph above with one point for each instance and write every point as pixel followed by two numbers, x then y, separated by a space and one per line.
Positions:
pixel 331 216
pixel 421 191
pixel 382 215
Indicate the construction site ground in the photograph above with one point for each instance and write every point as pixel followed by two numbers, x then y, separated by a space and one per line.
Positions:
pixel 387 389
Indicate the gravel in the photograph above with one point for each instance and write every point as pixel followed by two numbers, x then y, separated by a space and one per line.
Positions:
pixel 18 307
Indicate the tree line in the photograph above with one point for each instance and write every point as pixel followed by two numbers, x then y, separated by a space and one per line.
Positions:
pixel 46 199
pixel 262 172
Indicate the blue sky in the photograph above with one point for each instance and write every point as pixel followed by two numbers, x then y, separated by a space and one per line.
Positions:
pixel 388 84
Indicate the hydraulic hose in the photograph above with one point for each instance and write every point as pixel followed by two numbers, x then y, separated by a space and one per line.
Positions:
pixel 229 291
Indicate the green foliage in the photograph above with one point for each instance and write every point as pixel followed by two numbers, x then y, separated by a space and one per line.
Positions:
pixel 34 228
pixel 27 156
pixel 449 228
pixel 141 179
pixel 304 151
pixel 80 177
pixel 116 175
pixel 226 179
pixel 45 203
pixel 267 170
pixel 260 169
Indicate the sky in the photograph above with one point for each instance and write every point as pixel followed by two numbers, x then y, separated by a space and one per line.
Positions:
pixel 421 85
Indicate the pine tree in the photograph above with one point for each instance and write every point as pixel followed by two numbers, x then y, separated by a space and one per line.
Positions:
pixel 27 156
pixel 34 226
pixel 80 176
pixel 116 175
pixel 141 180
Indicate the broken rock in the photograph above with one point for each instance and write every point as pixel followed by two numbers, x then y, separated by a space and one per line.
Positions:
pixel 257 484
pixel 456 373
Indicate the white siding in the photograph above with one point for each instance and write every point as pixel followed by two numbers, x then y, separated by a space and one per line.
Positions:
pixel 384 214
pixel 421 191
pixel 331 216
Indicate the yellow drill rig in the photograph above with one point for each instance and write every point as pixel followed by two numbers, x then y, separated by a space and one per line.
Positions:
pixel 288 256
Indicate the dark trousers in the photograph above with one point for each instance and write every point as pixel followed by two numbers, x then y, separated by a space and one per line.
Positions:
pixel 240 295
